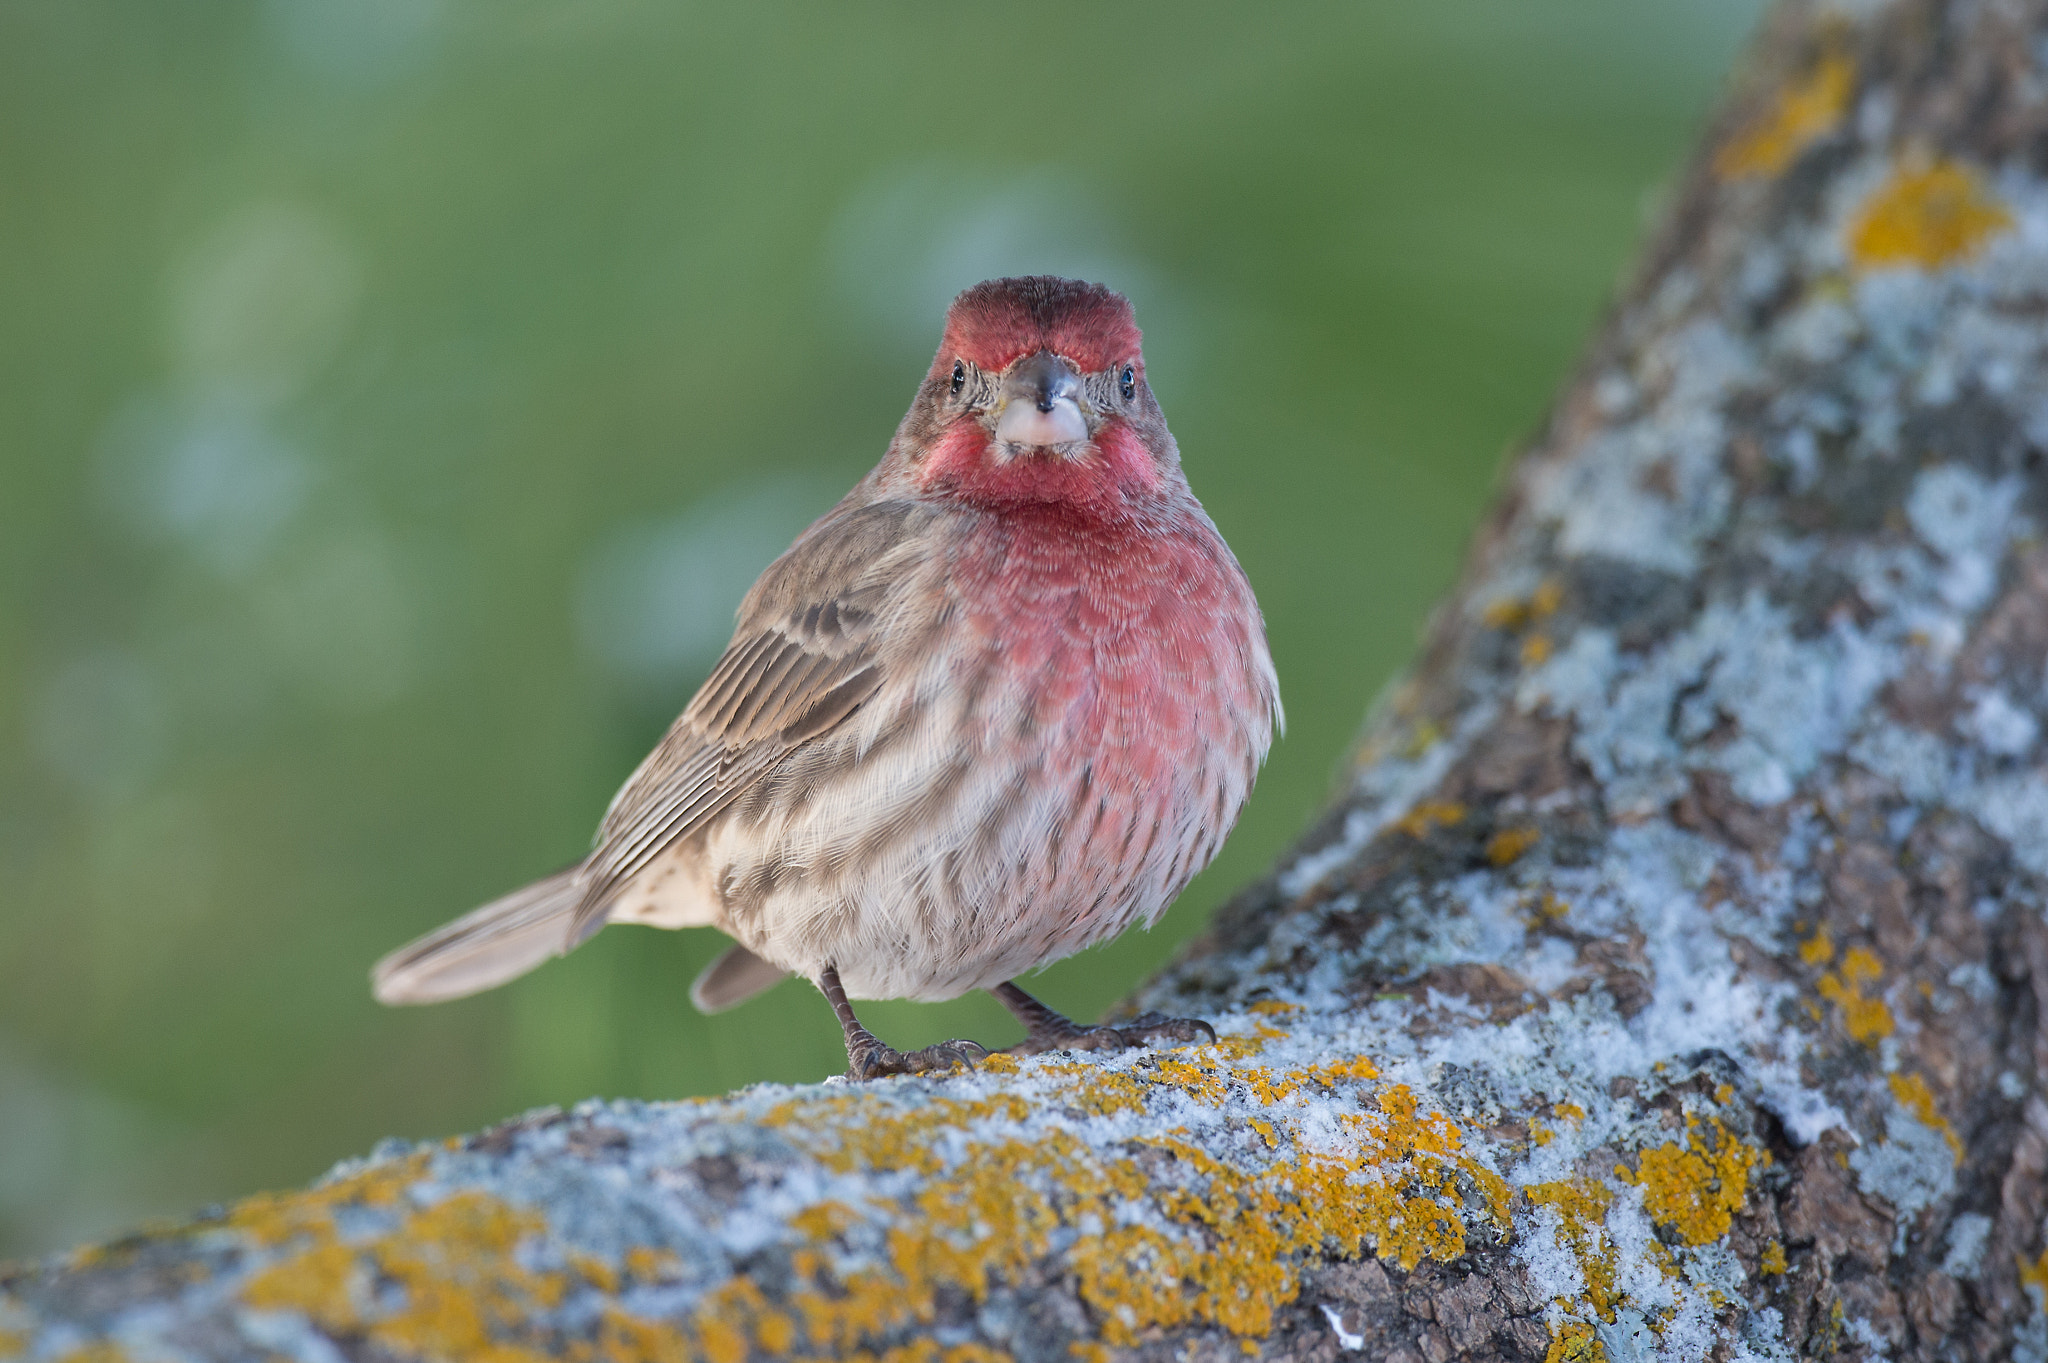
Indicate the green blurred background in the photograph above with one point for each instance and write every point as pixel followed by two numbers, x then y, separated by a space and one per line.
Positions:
pixel 396 396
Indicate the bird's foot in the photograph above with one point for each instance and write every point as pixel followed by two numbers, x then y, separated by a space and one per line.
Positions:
pixel 1154 1027
pixel 867 1058
pixel 1047 1030
pixel 1072 1036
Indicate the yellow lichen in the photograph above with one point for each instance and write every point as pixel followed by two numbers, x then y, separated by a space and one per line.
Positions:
pixel 1512 613
pixel 2034 1277
pixel 652 1265
pixel 446 1280
pixel 1568 1112
pixel 1827 1340
pixel 1581 1206
pixel 626 1338
pixel 320 1284
pixel 1203 1083
pixel 1111 1093
pixel 1275 1008
pixel 1802 114
pixel 1506 613
pixel 1426 735
pixel 1773 1260
pixel 1818 949
pixel 1547 909
pixel 1536 650
pixel 595 1271
pixel 1245 1047
pixel 1573 1341
pixel 1225 1248
pixel 1430 814
pixel 99 1351
pixel 1332 1072
pixel 823 1220
pixel 389 1260
pixel 776 1332
pixel 735 1316
pixel 271 1219
pixel 88 1256
pixel 464 1293
pixel 1926 215
pixel 1507 846
pixel 463 1284
pixel 1697 1188
pixel 1866 1019
pixel 1913 1094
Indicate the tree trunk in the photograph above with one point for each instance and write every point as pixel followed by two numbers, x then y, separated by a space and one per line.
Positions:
pixel 1667 982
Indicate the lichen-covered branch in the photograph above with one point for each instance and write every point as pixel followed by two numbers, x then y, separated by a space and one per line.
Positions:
pixel 1667 983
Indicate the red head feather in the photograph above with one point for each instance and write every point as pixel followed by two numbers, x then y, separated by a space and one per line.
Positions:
pixel 996 322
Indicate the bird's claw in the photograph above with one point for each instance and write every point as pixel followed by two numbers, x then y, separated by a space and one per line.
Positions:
pixel 1139 1031
pixel 1158 1025
pixel 1071 1038
pixel 877 1060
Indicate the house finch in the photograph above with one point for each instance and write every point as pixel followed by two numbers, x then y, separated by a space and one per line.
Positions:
pixel 997 705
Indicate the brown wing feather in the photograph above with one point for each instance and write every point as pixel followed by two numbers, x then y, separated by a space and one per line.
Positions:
pixel 805 657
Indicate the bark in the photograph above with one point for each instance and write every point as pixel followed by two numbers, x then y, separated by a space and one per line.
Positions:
pixel 1667 981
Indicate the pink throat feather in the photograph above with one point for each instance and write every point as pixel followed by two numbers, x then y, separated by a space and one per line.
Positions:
pixel 1098 482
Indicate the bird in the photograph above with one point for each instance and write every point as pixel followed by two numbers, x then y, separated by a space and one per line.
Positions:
pixel 998 705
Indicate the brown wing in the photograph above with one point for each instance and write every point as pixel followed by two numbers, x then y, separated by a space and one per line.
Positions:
pixel 806 655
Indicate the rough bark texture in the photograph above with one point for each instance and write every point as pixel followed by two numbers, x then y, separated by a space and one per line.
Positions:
pixel 1669 981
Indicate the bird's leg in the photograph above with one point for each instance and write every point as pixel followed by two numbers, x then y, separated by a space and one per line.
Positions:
pixel 867 1058
pixel 1050 1031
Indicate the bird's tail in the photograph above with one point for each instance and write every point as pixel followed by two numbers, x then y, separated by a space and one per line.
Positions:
pixel 736 976
pixel 485 947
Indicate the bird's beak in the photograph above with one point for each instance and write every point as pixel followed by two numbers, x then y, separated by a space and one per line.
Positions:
pixel 1040 403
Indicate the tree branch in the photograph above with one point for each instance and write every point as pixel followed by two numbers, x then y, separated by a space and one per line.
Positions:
pixel 1667 981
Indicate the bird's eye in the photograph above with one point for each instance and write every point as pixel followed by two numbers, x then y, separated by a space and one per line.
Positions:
pixel 959 377
pixel 1128 382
